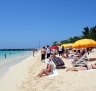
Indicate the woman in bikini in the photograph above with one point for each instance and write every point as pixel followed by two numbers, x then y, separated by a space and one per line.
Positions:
pixel 49 69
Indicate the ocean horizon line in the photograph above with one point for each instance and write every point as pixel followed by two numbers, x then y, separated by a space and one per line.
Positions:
pixel 17 49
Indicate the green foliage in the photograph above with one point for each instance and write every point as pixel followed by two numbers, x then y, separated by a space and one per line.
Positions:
pixel 89 33
pixel 72 40
pixel 54 43
pixel 93 33
pixel 64 41
pixel 86 32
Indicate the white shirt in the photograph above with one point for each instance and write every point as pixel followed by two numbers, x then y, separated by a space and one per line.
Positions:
pixel 48 50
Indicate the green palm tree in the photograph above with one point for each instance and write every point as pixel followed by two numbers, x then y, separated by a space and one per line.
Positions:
pixel 93 33
pixel 86 33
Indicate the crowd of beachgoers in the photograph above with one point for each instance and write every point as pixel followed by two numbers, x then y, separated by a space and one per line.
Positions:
pixel 53 58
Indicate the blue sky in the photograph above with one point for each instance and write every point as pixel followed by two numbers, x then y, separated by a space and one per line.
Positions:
pixel 23 23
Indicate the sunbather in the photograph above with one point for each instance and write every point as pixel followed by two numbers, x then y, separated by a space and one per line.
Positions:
pixel 93 66
pixel 49 69
pixel 79 68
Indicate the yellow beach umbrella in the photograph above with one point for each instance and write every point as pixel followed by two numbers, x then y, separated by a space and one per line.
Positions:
pixel 64 45
pixel 67 45
pixel 84 43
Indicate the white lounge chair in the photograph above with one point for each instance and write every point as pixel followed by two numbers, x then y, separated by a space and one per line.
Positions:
pixel 82 61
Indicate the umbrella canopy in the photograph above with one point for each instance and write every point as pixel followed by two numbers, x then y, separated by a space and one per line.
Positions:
pixel 64 45
pixel 53 47
pixel 84 43
pixel 67 45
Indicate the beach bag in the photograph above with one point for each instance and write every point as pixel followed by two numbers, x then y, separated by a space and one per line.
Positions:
pixel 58 62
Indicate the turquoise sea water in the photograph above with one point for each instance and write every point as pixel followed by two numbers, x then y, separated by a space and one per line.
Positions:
pixel 13 55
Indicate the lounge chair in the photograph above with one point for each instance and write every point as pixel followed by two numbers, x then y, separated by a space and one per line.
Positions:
pixel 82 61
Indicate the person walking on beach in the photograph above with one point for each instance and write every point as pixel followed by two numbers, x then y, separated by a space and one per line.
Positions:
pixel 60 50
pixel 43 52
pixel 33 50
pixel 48 51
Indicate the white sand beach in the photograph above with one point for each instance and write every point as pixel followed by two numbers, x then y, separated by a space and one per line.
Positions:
pixel 21 78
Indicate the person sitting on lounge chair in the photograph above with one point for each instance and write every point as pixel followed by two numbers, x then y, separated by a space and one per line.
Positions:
pixel 78 59
pixel 49 69
pixel 79 68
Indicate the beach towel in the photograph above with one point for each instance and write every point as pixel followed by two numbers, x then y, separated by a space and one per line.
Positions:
pixel 55 73
pixel 90 70
pixel 53 70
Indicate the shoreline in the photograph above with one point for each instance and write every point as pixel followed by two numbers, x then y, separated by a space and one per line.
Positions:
pixel 12 57
pixel 4 68
pixel 16 74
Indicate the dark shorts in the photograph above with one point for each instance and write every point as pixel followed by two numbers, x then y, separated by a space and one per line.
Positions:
pixel 48 55
pixel 43 57
pixel 60 53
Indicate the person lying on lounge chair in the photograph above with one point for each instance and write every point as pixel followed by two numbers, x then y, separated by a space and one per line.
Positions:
pixel 79 68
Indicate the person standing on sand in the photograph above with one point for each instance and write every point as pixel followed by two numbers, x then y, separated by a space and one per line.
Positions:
pixel 33 52
pixel 60 50
pixel 43 52
pixel 48 51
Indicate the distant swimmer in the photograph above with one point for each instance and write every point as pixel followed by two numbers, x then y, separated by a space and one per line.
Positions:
pixel 5 56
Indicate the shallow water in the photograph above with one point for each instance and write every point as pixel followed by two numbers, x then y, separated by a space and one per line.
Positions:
pixel 12 58
pixel 12 55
